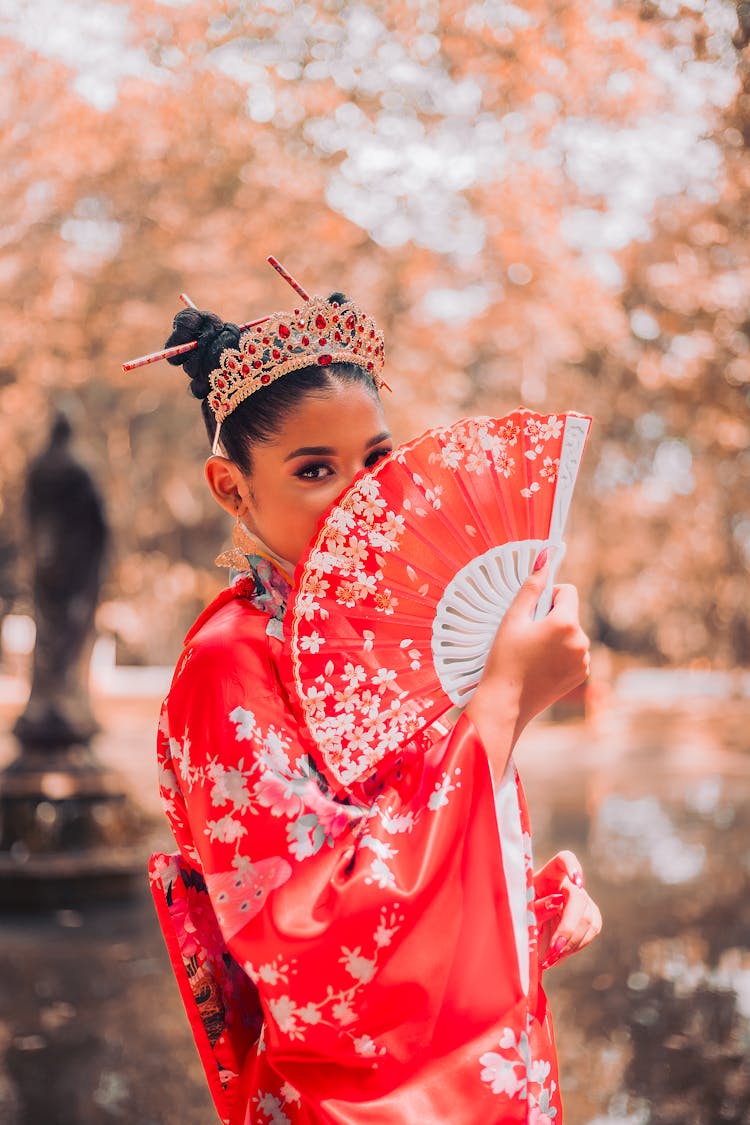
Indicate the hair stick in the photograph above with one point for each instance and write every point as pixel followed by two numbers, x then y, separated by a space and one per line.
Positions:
pixel 287 277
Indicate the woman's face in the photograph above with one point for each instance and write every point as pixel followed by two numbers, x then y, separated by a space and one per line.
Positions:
pixel 325 441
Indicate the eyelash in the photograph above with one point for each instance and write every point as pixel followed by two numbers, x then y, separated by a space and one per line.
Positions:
pixel 377 455
pixel 372 459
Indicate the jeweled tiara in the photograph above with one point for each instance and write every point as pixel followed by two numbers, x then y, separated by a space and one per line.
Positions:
pixel 319 332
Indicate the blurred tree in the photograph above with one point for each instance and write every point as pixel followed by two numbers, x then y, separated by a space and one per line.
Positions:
pixel 671 540
pixel 541 203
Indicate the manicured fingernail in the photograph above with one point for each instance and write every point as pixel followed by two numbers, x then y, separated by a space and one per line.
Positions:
pixel 552 902
pixel 550 905
pixel 540 560
pixel 554 951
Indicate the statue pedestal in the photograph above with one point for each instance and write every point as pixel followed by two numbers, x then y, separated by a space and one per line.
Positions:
pixel 67 831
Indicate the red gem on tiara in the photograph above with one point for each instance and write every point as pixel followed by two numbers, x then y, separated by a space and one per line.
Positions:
pixel 231 363
pixel 350 322
pixel 251 349
pixel 320 321
pixel 266 340
pixel 322 343
pixel 265 378
pixel 324 360
pixel 220 384
pixel 245 368
pixel 369 367
pixel 337 336
pixel 257 364
pixel 276 353
pixel 283 331
pixel 305 340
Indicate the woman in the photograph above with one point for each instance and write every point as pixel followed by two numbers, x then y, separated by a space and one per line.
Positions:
pixel 370 955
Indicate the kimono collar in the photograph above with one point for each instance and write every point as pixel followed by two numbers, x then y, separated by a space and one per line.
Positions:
pixel 259 579
pixel 272 586
pixel 253 561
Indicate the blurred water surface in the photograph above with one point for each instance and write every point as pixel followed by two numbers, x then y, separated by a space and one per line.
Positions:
pixel 653 1020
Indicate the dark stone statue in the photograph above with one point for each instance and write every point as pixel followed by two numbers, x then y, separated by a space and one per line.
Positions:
pixel 68 830
pixel 67 542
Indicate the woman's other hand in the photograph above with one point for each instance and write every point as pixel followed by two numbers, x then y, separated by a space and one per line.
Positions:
pixel 531 663
pixel 568 919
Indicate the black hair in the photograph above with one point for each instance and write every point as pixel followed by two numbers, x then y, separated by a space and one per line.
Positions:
pixel 261 416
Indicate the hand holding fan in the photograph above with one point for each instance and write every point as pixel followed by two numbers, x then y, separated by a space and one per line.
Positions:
pixel 399 598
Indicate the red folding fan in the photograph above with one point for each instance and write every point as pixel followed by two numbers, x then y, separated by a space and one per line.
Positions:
pixel 399 597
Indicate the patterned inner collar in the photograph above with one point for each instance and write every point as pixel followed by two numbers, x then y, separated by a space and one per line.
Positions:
pixel 272 588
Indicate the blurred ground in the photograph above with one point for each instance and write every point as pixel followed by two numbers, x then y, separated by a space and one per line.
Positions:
pixel 653 1021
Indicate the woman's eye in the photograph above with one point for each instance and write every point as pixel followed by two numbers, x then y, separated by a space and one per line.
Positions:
pixel 316 471
pixel 377 455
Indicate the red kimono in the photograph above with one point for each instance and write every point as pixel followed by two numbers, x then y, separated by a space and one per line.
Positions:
pixel 345 958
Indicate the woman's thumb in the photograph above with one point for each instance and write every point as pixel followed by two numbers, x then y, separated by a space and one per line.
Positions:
pixel 530 592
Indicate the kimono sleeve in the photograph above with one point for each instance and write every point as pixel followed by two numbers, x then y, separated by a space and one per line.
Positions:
pixel 249 815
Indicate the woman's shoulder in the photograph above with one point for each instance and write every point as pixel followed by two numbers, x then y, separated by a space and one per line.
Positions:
pixel 228 628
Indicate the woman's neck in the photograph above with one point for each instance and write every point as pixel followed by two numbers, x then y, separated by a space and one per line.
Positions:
pixel 284 565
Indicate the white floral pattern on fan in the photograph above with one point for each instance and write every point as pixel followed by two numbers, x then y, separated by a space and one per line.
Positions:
pixel 365 667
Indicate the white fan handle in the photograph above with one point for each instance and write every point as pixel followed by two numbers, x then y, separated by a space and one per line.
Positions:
pixel 571 452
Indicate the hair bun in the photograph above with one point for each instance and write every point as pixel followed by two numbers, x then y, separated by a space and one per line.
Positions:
pixel 337 299
pixel 213 336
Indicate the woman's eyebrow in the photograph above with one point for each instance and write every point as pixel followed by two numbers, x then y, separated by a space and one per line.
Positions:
pixel 328 451
pixel 385 436
pixel 311 451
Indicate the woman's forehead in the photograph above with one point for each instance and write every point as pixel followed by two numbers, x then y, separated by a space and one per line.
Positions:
pixel 341 415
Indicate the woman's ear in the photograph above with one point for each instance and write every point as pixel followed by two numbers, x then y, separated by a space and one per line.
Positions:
pixel 228 484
